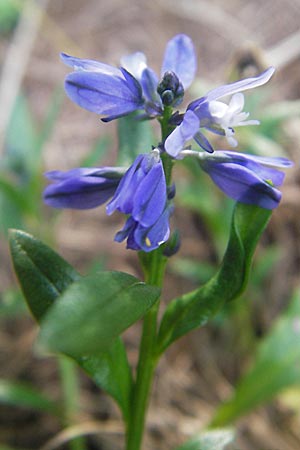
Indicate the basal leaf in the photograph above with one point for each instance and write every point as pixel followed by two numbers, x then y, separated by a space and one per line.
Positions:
pixel 44 276
pixel 42 273
pixel 195 308
pixel 276 367
pixel 94 311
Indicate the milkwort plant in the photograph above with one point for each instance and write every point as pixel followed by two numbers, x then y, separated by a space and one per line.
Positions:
pixel 90 331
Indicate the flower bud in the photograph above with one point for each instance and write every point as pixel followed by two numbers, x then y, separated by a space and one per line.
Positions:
pixel 170 89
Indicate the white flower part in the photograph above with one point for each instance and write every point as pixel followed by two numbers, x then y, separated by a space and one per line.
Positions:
pixel 241 85
pixel 135 63
pixel 230 116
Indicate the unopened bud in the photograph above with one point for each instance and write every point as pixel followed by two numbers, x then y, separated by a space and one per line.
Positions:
pixel 170 89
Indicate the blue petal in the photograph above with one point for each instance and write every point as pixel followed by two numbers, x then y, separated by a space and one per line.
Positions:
pixel 103 94
pixel 132 83
pixel 89 65
pixel 123 198
pixel 175 142
pixel 80 193
pixel 180 58
pixel 203 142
pixel 127 231
pixel 106 172
pixel 150 197
pixel 149 82
pixel 262 166
pixel 135 63
pixel 149 239
pixel 243 185
pixel 275 161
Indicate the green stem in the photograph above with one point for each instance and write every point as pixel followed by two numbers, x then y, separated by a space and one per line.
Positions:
pixel 166 129
pixel 69 383
pixel 154 265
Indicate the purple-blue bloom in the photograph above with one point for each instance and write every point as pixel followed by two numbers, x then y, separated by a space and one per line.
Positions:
pixel 113 92
pixel 142 194
pixel 246 178
pixel 82 188
pixel 216 116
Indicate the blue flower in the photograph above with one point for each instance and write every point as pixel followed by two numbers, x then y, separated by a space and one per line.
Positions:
pixel 142 194
pixel 113 92
pixel 246 178
pixel 82 188
pixel 216 116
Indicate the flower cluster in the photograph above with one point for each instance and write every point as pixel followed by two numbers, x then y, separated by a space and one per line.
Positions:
pixel 113 92
pixel 141 191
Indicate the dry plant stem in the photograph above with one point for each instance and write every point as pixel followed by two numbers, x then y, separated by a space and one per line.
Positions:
pixel 17 58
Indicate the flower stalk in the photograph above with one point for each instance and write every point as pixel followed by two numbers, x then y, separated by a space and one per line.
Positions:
pixel 153 264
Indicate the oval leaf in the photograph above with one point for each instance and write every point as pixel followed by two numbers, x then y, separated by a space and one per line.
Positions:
pixel 44 276
pixel 111 371
pixel 195 308
pixel 42 273
pixel 94 311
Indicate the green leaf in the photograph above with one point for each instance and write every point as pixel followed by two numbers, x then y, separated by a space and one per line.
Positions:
pixel 195 308
pixel 13 216
pixel 110 371
pixel 43 276
pixel 276 367
pixel 49 121
pixel 14 194
pixel 42 273
pixel 21 138
pixel 9 14
pixel 94 311
pixel 209 440
pixel 97 152
pixel 19 394
pixel 135 137
pixel 5 447
pixel 11 303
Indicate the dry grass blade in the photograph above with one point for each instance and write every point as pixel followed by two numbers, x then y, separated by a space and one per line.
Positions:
pixel 17 57
pixel 83 429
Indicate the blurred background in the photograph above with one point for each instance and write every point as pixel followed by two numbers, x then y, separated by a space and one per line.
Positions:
pixel 40 129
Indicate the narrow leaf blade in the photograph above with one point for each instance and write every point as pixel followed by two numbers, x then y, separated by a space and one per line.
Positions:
pixel 276 367
pixel 195 308
pixel 21 395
